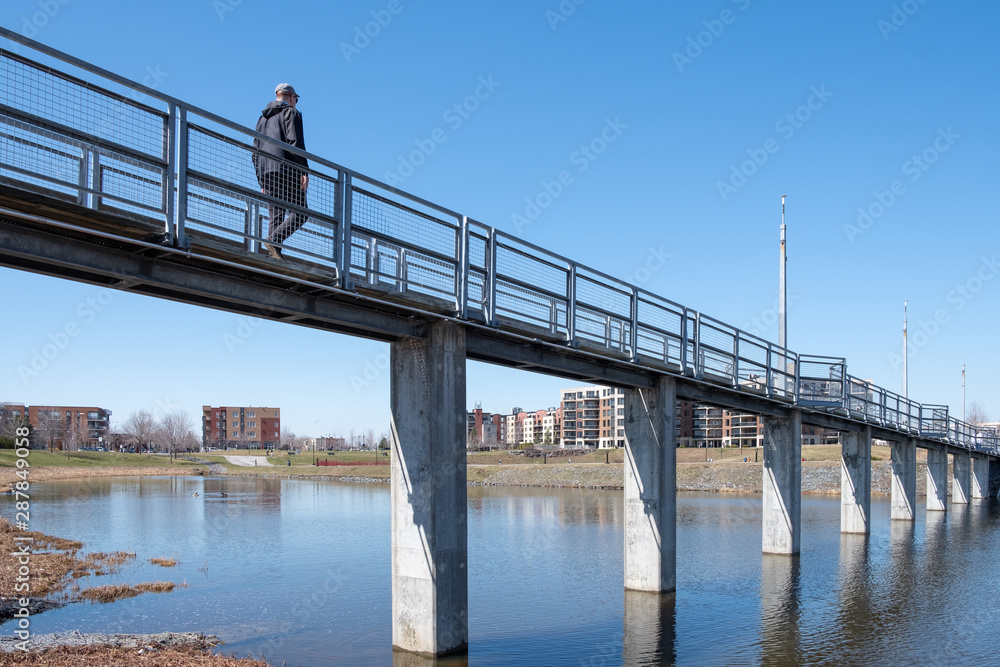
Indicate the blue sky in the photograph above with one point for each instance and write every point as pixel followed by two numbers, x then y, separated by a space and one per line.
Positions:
pixel 718 109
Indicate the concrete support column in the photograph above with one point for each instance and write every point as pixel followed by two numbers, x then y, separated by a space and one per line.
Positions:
pixel 995 478
pixel 904 480
pixel 856 481
pixel 651 488
pixel 961 487
pixel 430 590
pixel 937 480
pixel 782 484
pixel 980 478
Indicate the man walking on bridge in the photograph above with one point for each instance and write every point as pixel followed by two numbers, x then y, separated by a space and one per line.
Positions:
pixel 281 174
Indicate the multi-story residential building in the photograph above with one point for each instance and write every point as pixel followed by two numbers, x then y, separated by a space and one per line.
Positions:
pixel 68 427
pixel 612 428
pixel 581 417
pixel 246 427
pixel 513 429
pixel 700 425
pixel 485 429
pixel 742 430
pixel 324 444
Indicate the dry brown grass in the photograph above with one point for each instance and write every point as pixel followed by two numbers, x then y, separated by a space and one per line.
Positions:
pixel 110 593
pixel 55 562
pixel 163 562
pixel 94 656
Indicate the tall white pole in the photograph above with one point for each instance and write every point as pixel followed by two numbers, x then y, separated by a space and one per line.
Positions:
pixel 782 285
pixel 963 392
pixel 905 352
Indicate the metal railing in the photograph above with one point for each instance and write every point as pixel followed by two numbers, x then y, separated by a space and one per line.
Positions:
pixel 106 143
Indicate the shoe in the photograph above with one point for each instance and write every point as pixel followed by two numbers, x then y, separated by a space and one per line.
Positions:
pixel 273 250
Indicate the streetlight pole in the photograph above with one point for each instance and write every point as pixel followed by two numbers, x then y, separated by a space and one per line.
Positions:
pixel 905 352
pixel 782 285
pixel 963 392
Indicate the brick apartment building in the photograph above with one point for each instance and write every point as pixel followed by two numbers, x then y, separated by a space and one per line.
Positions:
pixel 64 427
pixel 244 427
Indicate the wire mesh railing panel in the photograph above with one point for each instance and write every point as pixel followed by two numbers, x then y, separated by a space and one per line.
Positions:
pixel 961 433
pixel 598 292
pixel 230 162
pixel 128 184
pixel 717 345
pixel 518 303
pixel 752 365
pixel 523 264
pixel 58 98
pixel 399 268
pixel 660 330
pixel 821 380
pixel 987 440
pixel 934 421
pixel 221 212
pixel 40 159
pixel 606 331
pixel 404 225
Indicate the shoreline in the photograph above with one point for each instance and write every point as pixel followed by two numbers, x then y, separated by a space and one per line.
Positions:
pixel 818 477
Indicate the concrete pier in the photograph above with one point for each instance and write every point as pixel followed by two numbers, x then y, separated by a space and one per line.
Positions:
pixel 961 487
pixel 937 480
pixel 980 478
pixel 782 484
pixel 430 593
pixel 651 488
pixel 904 480
pixel 856 481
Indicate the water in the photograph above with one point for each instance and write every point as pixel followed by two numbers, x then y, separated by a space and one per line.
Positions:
pixel 299 571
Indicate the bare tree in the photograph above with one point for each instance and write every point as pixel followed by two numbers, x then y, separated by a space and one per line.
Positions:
pixel 12 418
pixel 287 438
pixel 976 413
pixel 49 429
pixel 175 433
pixel 140 427
pixel 76 435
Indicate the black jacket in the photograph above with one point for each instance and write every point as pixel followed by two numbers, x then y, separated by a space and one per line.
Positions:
pixel 278 121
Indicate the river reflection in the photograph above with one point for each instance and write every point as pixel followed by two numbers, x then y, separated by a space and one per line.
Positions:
pixel 298 572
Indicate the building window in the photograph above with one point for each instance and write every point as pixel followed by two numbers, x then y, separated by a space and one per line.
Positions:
pixel 252 424
pixel 251 414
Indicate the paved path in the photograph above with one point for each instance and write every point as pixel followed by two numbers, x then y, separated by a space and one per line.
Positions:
pixel 249 461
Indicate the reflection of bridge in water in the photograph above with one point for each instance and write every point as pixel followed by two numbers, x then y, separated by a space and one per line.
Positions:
pixel 105 181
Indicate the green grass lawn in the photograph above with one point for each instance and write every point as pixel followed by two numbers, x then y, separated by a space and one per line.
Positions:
pixel 41 458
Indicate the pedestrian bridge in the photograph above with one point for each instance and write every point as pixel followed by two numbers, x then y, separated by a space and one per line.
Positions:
pixel 106 181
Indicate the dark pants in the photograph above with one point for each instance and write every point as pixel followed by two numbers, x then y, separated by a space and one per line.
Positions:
pixel 285 185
